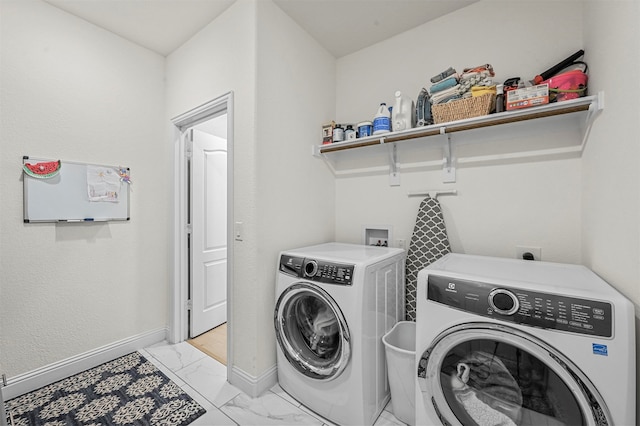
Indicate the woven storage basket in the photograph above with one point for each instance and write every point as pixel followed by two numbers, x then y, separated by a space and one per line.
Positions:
pixel 463 108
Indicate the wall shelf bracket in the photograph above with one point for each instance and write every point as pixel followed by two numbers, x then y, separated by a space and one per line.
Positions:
pixel 448 162
pixel 394 173
pixel 595 108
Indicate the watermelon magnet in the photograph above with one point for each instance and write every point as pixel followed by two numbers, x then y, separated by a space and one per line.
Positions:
pixel 44 170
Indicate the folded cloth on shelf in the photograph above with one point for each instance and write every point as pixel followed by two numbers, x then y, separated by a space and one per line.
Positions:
pixel 444 84
pixel 484 67
pixel 444 74
pixel 475 79
pixel 449 99
pixel 482 90
pixel 444 95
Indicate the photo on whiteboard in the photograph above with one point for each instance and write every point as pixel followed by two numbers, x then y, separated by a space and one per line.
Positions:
pixel 103 184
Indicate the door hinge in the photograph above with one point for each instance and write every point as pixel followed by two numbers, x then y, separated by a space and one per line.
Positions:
pixel 189 228
pixel 188 146
pixel 189 304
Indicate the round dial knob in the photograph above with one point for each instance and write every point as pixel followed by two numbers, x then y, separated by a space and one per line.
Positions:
pixel 503 301
pixel 310 268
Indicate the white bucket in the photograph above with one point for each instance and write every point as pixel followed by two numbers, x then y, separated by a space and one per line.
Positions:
pixel 400 351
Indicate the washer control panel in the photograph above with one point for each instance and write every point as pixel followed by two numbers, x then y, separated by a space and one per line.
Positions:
pixel 317 270
pixel 520 306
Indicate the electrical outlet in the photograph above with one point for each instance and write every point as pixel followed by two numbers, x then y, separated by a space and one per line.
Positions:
pixel 535 251
pixel 401 244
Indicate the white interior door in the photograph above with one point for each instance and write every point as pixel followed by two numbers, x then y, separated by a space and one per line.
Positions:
pixel 208 232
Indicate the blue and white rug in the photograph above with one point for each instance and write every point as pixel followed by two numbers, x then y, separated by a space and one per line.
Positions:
pixel 126 391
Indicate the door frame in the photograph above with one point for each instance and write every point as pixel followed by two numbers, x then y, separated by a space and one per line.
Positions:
pixel 179 288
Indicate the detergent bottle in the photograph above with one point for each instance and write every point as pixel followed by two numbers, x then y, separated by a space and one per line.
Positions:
pixel 382 120
pixel 403 113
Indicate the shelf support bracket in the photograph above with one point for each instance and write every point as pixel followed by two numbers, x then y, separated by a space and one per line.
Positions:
pixel 595 109
pixel 448 162
pixel 394 173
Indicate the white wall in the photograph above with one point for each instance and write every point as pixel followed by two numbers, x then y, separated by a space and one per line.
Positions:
pixel 72 91
pixel 500 204
pixel 611 178
pixel 283 86
pixel 295 192
pixel 219 59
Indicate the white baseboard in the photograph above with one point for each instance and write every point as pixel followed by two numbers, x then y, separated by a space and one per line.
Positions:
pixel 253 386
pixel 51 373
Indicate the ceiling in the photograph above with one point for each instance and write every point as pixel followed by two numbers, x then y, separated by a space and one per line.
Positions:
pixel 341 26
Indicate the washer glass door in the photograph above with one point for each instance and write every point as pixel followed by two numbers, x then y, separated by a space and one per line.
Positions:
pixel 488 374
pixel 312 332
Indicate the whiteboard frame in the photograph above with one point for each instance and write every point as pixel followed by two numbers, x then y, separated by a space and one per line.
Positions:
pixel 91 211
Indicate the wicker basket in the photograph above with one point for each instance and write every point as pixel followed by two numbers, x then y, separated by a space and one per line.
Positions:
pixel 463 108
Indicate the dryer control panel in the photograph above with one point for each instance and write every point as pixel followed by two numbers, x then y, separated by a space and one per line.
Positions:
pixel 521 306
pixel 317 270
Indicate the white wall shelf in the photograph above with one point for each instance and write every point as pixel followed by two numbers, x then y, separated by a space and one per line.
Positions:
pixel 390 152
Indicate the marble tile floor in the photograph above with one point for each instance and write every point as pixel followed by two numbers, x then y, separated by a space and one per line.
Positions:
pixel 205 379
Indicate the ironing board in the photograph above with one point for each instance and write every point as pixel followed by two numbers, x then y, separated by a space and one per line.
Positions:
pixel 429 242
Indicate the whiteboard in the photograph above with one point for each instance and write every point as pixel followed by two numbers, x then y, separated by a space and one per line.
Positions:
pixel 65 196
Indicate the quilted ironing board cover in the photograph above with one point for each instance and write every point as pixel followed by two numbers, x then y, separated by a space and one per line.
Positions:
pixel 429 242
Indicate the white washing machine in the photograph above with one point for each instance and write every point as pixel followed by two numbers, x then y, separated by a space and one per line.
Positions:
pixel 506 341
pixel 334 302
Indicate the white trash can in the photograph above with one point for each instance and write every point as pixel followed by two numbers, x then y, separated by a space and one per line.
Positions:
pixel 400 351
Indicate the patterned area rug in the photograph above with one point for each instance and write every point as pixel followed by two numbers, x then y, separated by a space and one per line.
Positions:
pixel 126 391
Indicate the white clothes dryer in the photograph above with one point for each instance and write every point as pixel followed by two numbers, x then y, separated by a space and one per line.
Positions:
pixel 514 342
pixel 334 302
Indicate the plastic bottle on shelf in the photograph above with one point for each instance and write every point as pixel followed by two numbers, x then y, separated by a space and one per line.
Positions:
pixel 499 98
pixel 349 132
pixel 403 115
pixel 382 120
pixel 338 133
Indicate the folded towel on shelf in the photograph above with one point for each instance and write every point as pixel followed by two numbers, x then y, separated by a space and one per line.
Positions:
pixel 444 74
pixel 444 84
pixel 475 79
pixel 449 99
pixel 483 90
pixel 443 95
pixel 480 68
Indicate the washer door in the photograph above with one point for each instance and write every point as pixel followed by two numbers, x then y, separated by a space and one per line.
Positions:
pixel 490 374
pixel 312 331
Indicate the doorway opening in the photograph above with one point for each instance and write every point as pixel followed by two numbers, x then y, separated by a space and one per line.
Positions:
pixel 203 236
pixel 213 343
